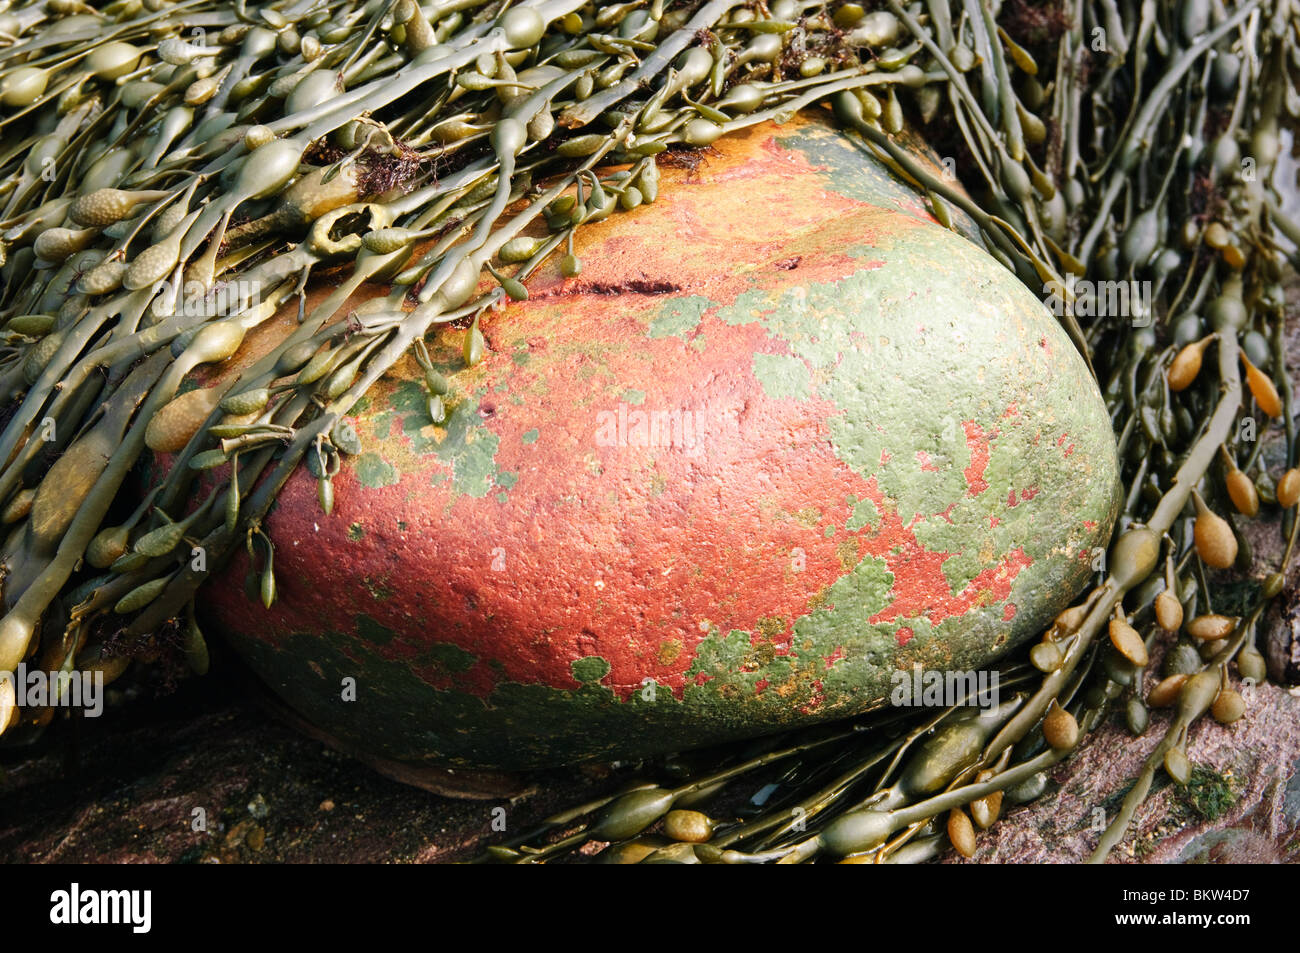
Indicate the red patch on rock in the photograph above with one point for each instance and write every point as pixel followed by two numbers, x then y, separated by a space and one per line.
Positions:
pixel 977 440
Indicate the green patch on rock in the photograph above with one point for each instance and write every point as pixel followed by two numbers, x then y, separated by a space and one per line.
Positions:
pixel 783 376
pixel 468 447
pixel 450 658
pixel 677 317
pixel 840 160
pixel 374 471
pixel 474 469
pixel 590 669
pixel 849 602
pixel 382 424
pixel 373 631
pixel 410 397
pixel 864 514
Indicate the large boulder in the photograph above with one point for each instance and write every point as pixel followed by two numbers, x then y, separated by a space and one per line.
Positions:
pixel 783 438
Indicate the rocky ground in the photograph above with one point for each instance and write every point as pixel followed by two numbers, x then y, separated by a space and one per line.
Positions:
pixel 127 788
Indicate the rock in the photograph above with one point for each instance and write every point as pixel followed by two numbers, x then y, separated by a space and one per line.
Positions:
pixel 783 438
pixel 1242 804
pixel 1282 637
